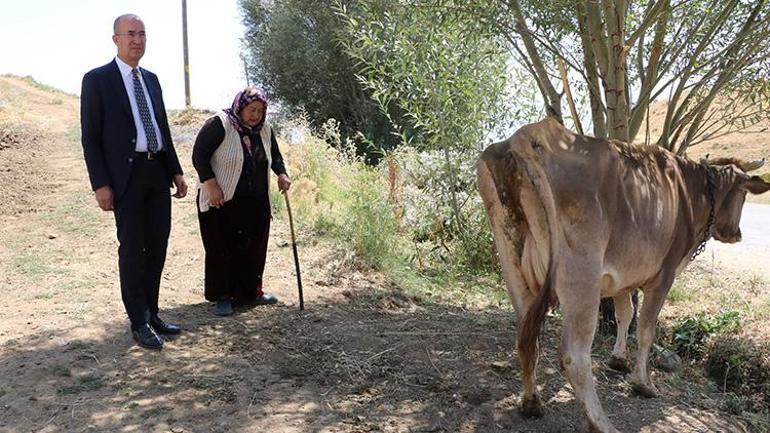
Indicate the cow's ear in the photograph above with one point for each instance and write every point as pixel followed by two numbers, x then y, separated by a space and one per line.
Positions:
pixel 756 185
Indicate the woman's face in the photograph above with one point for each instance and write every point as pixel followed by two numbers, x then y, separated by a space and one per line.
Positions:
pixel 253 113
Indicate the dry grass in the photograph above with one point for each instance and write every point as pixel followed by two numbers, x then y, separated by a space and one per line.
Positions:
pixel 708 288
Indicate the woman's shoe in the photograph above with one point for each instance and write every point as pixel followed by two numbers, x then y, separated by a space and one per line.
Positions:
pixel 266 299
pixel 224 308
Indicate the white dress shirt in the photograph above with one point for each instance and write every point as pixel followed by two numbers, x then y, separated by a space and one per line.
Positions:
pixel 128 81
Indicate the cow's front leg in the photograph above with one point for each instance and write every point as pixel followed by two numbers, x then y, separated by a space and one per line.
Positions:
pixel 623 313
pixel 654 297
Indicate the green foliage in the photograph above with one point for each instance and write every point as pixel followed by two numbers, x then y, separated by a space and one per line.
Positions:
pixel 428 217
pixel 342 197
pixel 370 224
pixel 323 225
pixel 383 216
pixel 692 335
pixel 450 81
pixel 291 49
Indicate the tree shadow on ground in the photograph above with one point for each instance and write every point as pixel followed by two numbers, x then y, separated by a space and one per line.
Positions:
pixel 371 361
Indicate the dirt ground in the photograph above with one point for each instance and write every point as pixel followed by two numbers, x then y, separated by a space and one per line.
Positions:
pixel 362 357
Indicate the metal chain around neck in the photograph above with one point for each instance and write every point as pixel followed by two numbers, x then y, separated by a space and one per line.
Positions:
pixel 710 187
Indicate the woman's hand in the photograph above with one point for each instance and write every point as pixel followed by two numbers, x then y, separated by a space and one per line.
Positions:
pixel 284 182
pixel 214 192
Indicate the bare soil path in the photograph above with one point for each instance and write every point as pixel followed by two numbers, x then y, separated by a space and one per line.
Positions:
pixel 363 357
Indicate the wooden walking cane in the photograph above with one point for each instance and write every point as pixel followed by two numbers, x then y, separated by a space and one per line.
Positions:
pixel 294 247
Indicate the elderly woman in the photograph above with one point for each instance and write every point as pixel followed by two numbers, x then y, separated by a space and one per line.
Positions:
pixel 233 154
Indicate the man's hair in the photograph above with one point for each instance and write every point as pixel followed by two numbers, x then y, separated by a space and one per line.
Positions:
pixel 123 17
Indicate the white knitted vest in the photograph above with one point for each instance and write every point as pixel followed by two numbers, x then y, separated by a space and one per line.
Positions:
pixel 227 161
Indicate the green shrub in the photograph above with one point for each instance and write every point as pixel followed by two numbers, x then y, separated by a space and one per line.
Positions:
pixel 395 216
pixel 478 250
pixel 324 225
pixel 320 176
pixel 426 193
pixel 691 335
pixel 370 223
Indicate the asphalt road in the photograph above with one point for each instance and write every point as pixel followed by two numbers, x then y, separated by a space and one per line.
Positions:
pixel 752 254
pixel 755 225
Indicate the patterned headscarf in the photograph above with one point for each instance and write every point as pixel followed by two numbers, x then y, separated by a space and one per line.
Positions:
pixel 241 100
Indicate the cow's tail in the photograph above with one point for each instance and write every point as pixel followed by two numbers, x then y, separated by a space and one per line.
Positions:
pixel 533 321
pixel 535 316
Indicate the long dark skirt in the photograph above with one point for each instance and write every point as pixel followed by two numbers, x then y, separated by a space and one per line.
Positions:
pixel 235 241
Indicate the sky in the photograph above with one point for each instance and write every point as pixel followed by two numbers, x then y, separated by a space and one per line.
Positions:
pixel 57 41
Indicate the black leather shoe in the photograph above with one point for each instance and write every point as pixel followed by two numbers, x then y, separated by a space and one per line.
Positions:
pixel 146 337
pixel 164 328
pixel 266 299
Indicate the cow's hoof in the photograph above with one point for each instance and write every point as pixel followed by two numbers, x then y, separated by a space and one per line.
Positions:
pixel 619 364
pixel 644 390
pixel 531 407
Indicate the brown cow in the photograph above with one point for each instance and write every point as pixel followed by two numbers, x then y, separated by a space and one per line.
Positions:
pixel 576 219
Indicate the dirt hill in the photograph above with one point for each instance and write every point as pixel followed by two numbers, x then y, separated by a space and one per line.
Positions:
pixel 362 357
pixel 752 143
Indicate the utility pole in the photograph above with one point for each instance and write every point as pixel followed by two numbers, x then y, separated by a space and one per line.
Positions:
pixel 186 56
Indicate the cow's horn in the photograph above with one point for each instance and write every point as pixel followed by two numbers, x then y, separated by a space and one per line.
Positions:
pixel 753 165
pixel 705 159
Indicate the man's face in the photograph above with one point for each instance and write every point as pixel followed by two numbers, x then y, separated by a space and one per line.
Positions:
pixel 130 40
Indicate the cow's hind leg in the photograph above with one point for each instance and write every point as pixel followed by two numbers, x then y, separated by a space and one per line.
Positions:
pixel 624 310
pixel 509 240
pixel 522 299
pixel 654 297
pixel 580 307
pixel 531 406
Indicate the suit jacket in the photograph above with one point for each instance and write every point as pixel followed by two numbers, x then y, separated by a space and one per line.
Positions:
pixel 108 129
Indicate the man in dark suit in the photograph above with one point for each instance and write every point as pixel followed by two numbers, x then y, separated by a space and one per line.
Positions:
pixel 131 164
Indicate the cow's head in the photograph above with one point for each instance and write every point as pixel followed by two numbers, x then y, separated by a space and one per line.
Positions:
pixel 728 215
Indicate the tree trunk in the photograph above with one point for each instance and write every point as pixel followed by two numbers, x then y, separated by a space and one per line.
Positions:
pixel 592 74
pixel 551 97
pixel 453 195
pixel 615 87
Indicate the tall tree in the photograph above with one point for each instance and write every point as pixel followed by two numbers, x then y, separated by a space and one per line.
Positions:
pixel 450 84
pixel 291 48
pixel 628 53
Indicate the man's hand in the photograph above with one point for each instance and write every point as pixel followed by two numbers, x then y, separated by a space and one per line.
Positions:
pixel 214 192
pixel 284 182
pixel 181 186
pixel 104 197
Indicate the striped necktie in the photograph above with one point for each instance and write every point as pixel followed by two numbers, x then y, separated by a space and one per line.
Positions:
pixel 144 113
